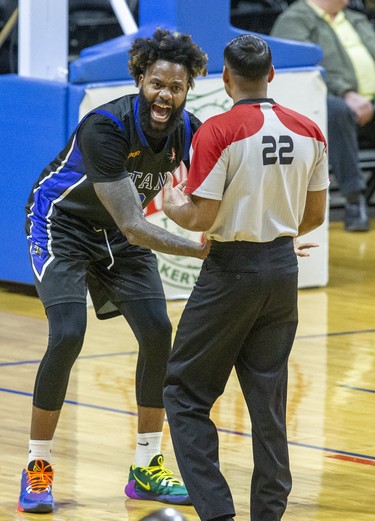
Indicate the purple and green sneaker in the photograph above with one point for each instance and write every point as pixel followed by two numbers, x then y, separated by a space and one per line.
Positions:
pixel 156 483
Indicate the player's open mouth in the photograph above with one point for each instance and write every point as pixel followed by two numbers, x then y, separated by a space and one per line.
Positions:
pixel 160 112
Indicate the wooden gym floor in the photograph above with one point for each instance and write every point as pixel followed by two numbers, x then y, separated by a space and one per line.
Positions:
pixel 331 411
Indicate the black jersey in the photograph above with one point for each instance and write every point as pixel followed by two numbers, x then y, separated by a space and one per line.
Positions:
pixel 107 145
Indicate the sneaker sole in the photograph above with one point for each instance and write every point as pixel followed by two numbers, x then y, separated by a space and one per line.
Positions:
pixel 134 493
pixel 38 509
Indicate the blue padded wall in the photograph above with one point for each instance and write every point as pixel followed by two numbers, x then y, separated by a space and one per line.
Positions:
pixel 209 26
pixel 208 22
pixel 107 61
pixel 32 131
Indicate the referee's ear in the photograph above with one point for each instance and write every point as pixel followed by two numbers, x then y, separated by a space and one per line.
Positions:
pixel 227 80
pixel 225 75
pixel 271 74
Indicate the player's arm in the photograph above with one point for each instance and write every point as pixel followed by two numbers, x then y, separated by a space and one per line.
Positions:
pixel 104 147
pixel 315 210
pixel 121 199
pixel 188 211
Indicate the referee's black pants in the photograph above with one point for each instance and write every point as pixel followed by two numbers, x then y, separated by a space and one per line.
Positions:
pixel 242 313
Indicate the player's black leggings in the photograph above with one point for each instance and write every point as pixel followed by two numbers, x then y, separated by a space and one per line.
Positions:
pixel 67 325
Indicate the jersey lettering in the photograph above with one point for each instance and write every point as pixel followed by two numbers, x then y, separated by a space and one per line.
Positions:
pixel 162 179
pixel 146 182
pixel 135 175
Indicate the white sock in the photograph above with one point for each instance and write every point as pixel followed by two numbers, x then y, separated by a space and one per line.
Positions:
pixel 40 449
pixel 148 445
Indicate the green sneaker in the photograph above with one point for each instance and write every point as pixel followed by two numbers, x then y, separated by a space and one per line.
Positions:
pixel 157 483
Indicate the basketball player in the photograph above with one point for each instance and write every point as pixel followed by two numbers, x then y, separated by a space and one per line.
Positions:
pixel 86 229
pixel 258 179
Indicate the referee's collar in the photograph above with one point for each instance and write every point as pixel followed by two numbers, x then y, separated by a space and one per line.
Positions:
pixel 252 101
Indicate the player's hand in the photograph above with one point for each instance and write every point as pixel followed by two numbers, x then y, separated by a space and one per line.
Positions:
pixel 174 196
pixel 206 245
pixel 301 247
pixel 181 186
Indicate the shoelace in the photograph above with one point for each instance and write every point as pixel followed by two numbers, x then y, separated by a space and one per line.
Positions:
pixel 41 478
pixel 159 473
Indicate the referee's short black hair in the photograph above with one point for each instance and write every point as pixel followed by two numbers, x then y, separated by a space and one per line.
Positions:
pixel 248 56
pixel 165 45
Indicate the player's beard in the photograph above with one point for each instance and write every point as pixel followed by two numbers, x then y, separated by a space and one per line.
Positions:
pixel 145 118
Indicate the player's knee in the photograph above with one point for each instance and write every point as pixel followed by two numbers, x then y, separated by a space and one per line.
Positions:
pixel 162 327
pixel 156 339
pixel 73 336
pixel 67 326
pixel 66 343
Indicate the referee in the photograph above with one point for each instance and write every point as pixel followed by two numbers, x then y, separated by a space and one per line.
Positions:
pixel 258 180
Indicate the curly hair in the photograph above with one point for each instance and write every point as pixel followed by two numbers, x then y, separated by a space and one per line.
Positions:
pixel 172 47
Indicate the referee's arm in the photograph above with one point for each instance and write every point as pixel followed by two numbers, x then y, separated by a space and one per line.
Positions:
pixel 315 210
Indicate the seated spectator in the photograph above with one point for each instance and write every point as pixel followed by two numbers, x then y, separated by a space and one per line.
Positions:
pixel 365 6
pixel 347 38
pixel 370 10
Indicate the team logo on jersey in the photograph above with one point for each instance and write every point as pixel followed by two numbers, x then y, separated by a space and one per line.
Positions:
pixel 172 155
pixel 134 154
pixel 36 250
